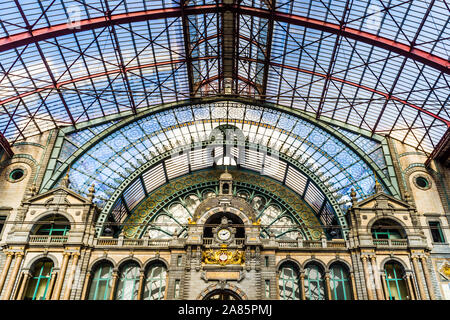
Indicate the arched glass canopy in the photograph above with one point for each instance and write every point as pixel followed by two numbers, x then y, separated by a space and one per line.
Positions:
pixel 128 159
pixel 378 65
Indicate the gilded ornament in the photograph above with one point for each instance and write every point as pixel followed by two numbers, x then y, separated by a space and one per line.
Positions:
pixel 223 256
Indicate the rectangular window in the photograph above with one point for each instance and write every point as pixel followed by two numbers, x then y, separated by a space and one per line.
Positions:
pixel 266 261
pixel 436 232
pixel 177 289
pixel 267 288
pixel 179 260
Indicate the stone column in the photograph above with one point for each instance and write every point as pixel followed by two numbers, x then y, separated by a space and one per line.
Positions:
pixel 12 280
pixel 426 272
pixel 48 296
pixel 86 285
pixel 328 287
pixel 384 283
pixel 353 283
pixel 367 278
pixel 62 274
pixel 115 275
pixel 418 278
pixel 410 287
pixel 376 278
pixel 302 286
pixel 9 257
pixel 141 285
pixel 76 256
pixel 23 286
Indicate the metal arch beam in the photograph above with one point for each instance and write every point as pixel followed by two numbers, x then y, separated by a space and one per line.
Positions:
pixel 408 51
pixel 384 94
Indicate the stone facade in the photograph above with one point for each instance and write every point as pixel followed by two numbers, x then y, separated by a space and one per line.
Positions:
pixel 75 256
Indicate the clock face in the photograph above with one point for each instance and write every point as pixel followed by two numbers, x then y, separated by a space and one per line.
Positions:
pixel 224 234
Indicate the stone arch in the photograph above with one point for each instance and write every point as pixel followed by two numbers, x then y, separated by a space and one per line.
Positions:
pixel 289 260
pixel 394 259
pixel 219 286
pixel 99 260
pixel 395 219
pixel 48 213
pixel 155 260
pixel 35 259
pixel 314 260
pixel 126 260
pixel 341 261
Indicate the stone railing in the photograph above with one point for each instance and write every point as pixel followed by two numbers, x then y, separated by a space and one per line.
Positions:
pixel 311 244
pixel 402 243
pixel 47 239
pixel 117 242
pixel 237 241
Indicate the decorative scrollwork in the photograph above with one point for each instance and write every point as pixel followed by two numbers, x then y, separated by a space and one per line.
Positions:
pixel 223 256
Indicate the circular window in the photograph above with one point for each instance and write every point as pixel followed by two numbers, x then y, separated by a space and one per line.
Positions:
pixel 422 182
pixel 16 174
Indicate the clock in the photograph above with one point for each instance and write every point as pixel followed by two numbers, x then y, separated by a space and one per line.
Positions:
pixel 224 234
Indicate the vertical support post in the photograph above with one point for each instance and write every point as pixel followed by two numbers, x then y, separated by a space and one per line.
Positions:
pixel 62 274
pixel 367 278
pixel 141 284
pixel 302 286
pixel 352 280
pixel 410 287
pixel 9 257
pixel 376 278
pixel 48 296
pixel 76 256
pixel 86 285
pixel 115 275
pixel 12 280
pixel 426 272
pixel 418 278
pixel 26 276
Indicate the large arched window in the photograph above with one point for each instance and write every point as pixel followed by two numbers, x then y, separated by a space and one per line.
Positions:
pixel 387 229
pixel 52 226
pixel 314 286
pixel 155 282
pixel 339 282
pixel 128 286
pixel 39 283
pixel 395 281
pixel 101 282
pixel 288 282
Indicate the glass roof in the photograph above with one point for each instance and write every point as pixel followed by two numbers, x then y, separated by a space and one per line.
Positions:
pixel 177 141
pixel 378 65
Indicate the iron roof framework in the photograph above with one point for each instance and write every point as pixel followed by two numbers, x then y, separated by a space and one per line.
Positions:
pixel 378 65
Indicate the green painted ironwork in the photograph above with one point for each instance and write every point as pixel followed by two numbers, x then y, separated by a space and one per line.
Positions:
pixel 38 286
pixel 101 282
pixel 396 284
pixel 288 283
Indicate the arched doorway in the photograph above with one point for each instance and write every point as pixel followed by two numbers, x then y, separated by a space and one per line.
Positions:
pixel 222 294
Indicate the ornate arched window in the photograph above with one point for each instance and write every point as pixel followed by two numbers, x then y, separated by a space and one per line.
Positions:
pixel 387 229
pixel 52 226
pixel 395 281
pixel 288 282
pixel 155 282
pixel 39 283
pixel 101 282
pixel 314 286
pixel 339 282
pixel 128 286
